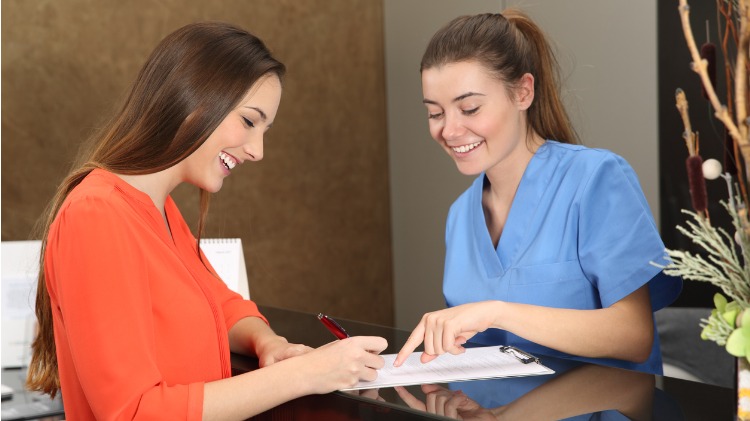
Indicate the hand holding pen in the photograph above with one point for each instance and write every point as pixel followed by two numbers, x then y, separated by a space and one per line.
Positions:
pixel 362 351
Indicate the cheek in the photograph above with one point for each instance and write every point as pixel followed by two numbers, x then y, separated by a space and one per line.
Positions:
pixel 490 127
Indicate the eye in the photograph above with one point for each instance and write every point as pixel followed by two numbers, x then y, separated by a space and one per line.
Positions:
pixel 470 112
pixel 433 116
pixel 248 123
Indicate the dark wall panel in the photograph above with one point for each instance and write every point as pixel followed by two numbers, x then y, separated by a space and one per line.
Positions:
pixel 313 215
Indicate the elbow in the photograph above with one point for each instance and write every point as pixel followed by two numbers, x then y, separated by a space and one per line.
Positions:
pixel 641 356
pixel 640 345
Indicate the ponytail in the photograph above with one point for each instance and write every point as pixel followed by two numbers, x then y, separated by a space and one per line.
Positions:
pixel 546 115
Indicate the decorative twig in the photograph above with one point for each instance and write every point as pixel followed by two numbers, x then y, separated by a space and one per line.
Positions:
pixel 699 66
pixel 740 83
pixel 688 135
pixel 694 162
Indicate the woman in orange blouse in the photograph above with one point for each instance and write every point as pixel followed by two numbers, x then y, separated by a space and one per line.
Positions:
pixel 134 323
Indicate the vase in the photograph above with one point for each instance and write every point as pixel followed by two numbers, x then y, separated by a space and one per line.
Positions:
pixel 743 389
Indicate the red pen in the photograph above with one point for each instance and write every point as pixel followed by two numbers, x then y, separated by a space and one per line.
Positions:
pixel 332 326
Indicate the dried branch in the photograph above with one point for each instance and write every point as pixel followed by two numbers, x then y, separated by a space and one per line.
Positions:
pixel 699 66
pixel 688 135
pixel 740 83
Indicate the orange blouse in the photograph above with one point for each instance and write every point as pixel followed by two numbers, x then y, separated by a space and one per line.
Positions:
pixel 140 323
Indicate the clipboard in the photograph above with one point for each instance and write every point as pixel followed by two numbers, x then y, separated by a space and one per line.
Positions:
pixel 488 362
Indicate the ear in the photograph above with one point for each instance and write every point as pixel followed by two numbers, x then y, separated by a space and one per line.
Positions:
pixel 524 91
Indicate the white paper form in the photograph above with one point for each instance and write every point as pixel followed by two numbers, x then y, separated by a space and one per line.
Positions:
pixel 476 363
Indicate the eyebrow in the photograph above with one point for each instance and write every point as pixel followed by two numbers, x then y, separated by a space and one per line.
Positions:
pixel 456 99
pixel 263 115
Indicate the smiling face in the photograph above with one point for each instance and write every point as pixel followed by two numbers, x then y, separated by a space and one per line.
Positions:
pixel 473 118
pixel 239 137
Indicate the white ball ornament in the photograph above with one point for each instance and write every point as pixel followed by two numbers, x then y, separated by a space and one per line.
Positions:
pixel 711 169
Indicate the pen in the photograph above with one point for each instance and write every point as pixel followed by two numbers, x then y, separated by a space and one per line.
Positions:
pixel 332 326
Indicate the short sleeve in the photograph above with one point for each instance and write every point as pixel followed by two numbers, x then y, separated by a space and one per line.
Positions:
pixel 618 239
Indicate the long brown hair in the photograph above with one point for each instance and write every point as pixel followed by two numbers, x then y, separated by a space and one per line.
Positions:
pixel 509 45
pixel 201 71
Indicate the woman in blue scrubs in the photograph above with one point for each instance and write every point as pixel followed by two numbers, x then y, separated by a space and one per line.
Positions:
pixel 551 248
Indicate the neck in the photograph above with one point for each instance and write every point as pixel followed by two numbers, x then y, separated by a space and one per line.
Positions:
pixel 156 185
pixel 505 177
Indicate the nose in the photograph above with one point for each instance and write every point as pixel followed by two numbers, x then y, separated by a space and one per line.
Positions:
pixel 254 148
pixel 452 127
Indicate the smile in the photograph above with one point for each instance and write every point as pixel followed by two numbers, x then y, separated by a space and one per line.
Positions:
pixel 466 148
pixel 227 160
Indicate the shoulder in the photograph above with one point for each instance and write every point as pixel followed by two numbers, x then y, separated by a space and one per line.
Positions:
pixel 581 155
pixel 584 163
pixel 94 199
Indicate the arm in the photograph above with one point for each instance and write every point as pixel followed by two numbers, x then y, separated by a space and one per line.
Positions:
pixel 334 366
pixel 252 336
pixel 623 330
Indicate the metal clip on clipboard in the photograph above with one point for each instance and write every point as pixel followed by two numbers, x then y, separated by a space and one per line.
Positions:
pixel 522 356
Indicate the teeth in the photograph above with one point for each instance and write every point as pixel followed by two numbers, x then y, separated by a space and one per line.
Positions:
pixel 466 148
pixel 227 160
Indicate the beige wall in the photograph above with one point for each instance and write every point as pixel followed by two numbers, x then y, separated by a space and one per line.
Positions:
pixel 313 215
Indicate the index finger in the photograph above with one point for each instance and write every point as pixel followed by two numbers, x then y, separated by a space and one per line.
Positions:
pixel 416 338
pixel 373 344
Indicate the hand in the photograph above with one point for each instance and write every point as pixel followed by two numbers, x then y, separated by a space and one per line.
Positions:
pixel 445 402
pixel 447 330
pixel 278 349
pixel 342 364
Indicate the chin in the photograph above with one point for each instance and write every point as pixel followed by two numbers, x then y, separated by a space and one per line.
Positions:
pixel 211 188
pixel 468 169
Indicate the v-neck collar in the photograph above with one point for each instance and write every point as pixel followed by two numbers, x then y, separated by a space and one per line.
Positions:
pixel 146 204
pixel 523 211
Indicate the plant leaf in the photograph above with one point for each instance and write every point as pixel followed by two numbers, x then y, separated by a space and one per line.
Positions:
pixel 720 302
pixel 745 320
pixel 730 316
pixel 738 342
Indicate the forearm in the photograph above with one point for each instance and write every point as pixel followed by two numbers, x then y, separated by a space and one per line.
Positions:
pixel 623 331
pixel 248 334
pixel 248 394
pixel 334 366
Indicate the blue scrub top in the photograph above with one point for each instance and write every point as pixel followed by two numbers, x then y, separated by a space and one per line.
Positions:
pixel 579 235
